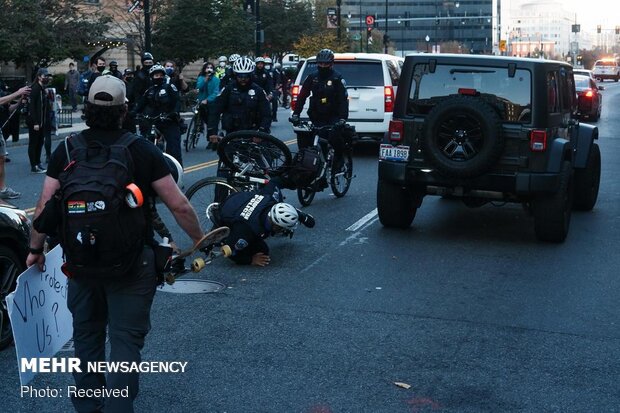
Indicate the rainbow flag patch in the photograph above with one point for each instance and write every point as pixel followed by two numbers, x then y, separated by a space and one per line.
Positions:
pixel 76 207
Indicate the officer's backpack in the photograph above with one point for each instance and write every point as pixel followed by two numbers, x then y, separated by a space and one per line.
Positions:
pixel 82 88
pixel 101 235
pixel 305 168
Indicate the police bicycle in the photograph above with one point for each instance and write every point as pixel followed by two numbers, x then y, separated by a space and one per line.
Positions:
pixel 153 134
pixel 252 159
pixel 319 159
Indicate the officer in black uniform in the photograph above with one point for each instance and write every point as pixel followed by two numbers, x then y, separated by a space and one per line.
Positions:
pixel 142 79
pixel 262 77
pixel 242 104
pixel 253 216
pixel 329 103
pixel 161 99
pixel 114 70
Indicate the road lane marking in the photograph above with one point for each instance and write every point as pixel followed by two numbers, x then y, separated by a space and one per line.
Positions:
pixel 369 219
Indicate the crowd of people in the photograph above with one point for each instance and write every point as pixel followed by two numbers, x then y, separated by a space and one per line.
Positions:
pixel 113 277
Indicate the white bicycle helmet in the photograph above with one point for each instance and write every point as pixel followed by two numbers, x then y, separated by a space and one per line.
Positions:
pixel 284 215
pixel 157 68
pixel 243 65
pixel 268 61
pixel 176 170
pixel 259 59
pixel 222 59
pixel 234 57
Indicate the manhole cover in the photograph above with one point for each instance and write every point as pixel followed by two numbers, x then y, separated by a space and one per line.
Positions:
pixel 192 287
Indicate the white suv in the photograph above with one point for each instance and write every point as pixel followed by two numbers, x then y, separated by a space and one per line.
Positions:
pixel 371 80
pixel 606 69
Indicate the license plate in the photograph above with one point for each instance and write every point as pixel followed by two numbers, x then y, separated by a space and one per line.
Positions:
pixel 394 153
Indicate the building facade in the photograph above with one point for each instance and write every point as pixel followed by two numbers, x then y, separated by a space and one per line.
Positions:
pixel 418 25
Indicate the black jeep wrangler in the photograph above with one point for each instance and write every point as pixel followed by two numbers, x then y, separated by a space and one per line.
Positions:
pixel 488 128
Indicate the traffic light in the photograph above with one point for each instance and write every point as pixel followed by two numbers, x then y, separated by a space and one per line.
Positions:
pixel 437 22
pixel 386 39
pixel 598 29
pixel 369 34
pixel 579 59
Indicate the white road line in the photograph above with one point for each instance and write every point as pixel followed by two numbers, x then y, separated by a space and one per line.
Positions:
pixel 363 220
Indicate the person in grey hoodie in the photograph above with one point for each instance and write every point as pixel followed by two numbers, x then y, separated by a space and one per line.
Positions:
pixel 72 80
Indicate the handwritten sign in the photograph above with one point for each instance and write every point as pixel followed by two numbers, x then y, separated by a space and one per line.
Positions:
pixel 41 321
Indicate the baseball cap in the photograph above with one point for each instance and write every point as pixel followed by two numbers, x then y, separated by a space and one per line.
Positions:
pixel 107 90
pixel 42 72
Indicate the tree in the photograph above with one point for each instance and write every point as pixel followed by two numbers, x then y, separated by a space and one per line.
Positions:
pixel 56 30
pixel 309 45
pixel 284 21
pixel 188 30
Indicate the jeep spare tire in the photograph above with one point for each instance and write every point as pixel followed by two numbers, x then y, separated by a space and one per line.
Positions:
pixel 463 137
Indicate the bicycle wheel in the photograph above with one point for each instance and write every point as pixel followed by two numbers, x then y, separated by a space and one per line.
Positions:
pixel 255 153
pixel 191 137
pixel 306 195
pixel 340 181
pixel 206 191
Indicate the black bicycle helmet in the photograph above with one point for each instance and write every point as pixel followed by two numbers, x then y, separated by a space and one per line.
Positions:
pixel 325 56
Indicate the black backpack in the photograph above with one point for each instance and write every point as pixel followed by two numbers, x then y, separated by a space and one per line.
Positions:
pixel 306 166
pixel 101 235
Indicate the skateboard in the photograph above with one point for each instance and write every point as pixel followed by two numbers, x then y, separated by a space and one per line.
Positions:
pixel 206 244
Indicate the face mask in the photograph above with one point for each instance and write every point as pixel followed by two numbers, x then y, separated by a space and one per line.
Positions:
pixel 129 79
pixel 209 70
pixel 169 71
pixel 147 67
pixel 100 69
pixel 324 71
pixel 222 64
pixel 267 67
pixel 45 81
pixel 158 81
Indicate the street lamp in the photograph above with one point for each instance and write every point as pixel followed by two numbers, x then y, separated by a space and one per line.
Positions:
pixel 428 39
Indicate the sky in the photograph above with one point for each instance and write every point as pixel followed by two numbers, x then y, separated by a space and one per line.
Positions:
pixel 589 13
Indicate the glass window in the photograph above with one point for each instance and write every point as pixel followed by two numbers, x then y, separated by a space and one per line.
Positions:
pixel 394 71
pixel 355 73
pixel 553 100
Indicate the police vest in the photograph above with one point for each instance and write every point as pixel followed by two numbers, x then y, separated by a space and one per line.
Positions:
pixel 247 207
pixel 324 100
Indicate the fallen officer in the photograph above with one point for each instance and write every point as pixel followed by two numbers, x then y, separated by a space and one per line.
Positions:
pixel 254 216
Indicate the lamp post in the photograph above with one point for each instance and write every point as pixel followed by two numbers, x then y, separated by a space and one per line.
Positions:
pixel 428 39
pixel 147 25
pixel 385 45
pixel 402 37
pixel 338 4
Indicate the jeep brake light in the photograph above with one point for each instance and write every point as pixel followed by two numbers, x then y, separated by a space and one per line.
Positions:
pixel 538 140
pixel 294 95
pixel 396 131
pixel 589 94
pixel 388 93
pixel 467 91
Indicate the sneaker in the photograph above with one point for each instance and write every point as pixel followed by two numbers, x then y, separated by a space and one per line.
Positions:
pixel 9 193
pixel 306 219
pixel 38 170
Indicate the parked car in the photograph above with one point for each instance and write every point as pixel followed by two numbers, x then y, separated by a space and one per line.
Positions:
pixel 484 129
pixel 606 69
pixel 589 98
pixel 14 238
pixel 372 82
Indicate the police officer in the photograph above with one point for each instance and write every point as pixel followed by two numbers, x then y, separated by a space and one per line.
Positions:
pixel 161 99
pixel 242 104
pixel 142 79
pixel 229 76
pixel 253 216
pixel 329 104
pixel 262 77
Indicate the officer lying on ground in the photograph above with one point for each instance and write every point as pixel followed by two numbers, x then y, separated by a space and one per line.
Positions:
pixel 252 217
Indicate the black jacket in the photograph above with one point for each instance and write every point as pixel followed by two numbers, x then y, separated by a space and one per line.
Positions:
pixel 38 106
pixel 243 109
pixel 329 100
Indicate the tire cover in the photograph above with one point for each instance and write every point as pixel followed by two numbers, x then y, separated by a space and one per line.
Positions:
pixel 463 136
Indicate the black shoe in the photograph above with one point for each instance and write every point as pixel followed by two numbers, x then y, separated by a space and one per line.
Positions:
pixel 38 170
pixel 306 219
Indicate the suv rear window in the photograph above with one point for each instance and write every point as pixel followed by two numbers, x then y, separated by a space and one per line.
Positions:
pixel 354 72
pixel 511 95
pixel 605 63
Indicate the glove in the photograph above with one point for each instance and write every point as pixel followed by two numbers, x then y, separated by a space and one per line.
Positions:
pixel 295 119
pixel 341 123
pixel 265 130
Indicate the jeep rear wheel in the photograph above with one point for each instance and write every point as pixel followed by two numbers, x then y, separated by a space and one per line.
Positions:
pixel 395 205
pixel 463 136
pixel 552 212
pixel 587 181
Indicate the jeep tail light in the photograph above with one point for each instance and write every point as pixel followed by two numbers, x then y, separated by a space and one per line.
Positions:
pixel 589 93
pixel 294 95
pixel 388 93
pixel 396 131
pixel 538 140
pixel 467 91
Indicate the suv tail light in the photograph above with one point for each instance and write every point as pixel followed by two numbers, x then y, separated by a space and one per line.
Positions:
pixel 538 140
pixel 396 133
pixel 589 93
pixel 388 93
pixel 294 95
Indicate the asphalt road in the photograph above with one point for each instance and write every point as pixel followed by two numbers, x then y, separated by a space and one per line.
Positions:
pixel 465 306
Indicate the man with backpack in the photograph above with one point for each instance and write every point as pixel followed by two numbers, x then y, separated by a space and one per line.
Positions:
pixel 105 228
